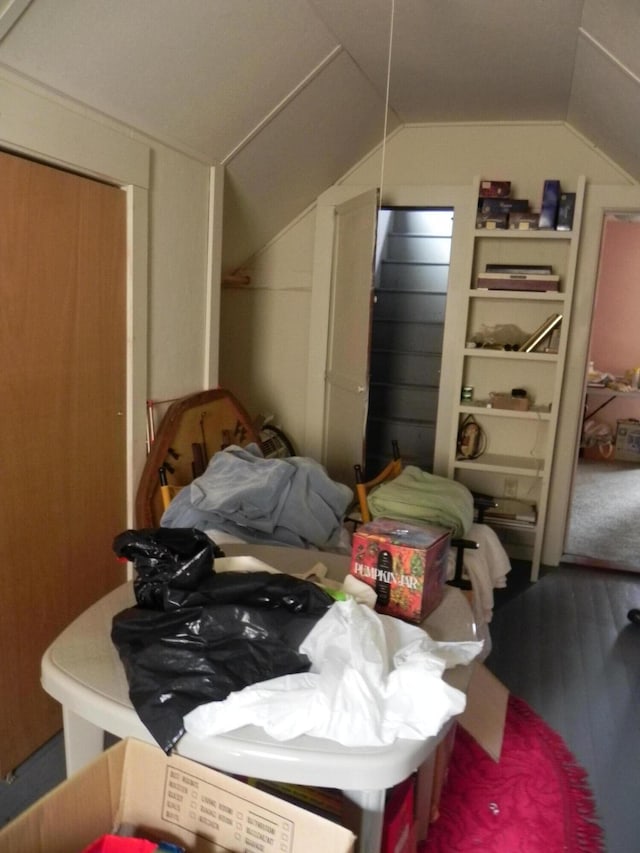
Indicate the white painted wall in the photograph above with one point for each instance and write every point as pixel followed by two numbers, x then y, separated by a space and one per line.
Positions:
pixel 264 331
pixel 525 153
pixel 179 201
pixel 265 326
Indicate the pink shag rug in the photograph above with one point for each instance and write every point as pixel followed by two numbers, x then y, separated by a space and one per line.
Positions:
pixel 536 799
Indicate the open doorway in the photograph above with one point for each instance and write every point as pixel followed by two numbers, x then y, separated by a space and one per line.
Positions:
pixel 411 273
pixel 603 524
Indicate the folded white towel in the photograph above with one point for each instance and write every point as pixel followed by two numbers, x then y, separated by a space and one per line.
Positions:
pixel 487 568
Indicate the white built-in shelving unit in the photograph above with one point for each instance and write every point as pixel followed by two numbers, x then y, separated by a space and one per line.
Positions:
pixel 520 445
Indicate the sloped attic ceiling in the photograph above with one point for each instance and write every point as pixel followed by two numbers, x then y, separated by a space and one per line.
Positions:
pixel 289 94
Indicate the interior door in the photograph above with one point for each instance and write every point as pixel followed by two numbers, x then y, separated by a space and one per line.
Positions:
pixel 346 388
pixel 62 385
pixel 411 281
pixel 357 296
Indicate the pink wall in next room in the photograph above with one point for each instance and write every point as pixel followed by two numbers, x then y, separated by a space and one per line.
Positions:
pixel 615 332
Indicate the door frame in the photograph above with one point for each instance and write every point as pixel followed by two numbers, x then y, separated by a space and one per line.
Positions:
pixel 599 200
pixel 461 199
pixel 69 139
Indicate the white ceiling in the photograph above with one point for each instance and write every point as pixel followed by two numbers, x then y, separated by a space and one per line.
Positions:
pixel 289 94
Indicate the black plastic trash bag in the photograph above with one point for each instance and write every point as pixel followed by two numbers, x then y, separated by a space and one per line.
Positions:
pixel 168 562
pixel 243 628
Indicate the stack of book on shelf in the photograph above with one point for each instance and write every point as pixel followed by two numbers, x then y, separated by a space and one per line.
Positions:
pixel 536 278
pixel 510 512
pixel 497 209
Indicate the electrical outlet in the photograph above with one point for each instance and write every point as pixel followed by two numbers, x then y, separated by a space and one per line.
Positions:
pixel 510 487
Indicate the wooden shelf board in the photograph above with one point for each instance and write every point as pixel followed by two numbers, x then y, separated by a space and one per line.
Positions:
pixel 480 352
pixel 521 295
pixel 513 234
pixel 534 414
pixel 499 463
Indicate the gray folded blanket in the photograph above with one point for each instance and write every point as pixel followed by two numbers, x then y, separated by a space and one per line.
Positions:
pixel 291 500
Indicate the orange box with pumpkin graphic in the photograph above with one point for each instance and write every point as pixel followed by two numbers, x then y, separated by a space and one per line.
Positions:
pixel 405 563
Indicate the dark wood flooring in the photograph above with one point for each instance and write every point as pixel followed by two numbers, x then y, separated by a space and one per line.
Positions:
pixel 37 776
pixel 566 646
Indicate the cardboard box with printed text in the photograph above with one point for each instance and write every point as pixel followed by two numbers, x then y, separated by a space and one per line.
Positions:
pixel 406 564
pixel 171 799
pixel 628 440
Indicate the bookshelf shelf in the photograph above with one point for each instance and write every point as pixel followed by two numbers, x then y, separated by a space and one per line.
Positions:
pixel 479 352
pixel 482 407
pixel 517 295
pixel 523 466
pixel 503 234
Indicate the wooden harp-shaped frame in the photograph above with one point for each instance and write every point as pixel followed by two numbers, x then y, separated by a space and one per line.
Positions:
pixel 191 431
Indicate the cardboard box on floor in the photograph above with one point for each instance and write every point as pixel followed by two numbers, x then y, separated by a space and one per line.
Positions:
pixel 174 799
pixel 411 808
pixel 167 798
pixel 486 710
pixel 483 718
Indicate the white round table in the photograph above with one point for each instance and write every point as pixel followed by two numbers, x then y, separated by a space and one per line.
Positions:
pixel 82 670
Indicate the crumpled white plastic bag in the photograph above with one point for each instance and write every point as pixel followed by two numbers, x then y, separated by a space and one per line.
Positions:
pixel 373 679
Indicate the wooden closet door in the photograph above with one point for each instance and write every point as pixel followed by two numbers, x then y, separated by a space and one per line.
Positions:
pixel 62 429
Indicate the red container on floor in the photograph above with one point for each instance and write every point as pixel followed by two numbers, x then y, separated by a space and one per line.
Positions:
pixel 399 831
pixel 405 563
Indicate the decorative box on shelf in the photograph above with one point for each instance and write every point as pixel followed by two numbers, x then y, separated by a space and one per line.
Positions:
pixel 518 281
pixel 509 401
pixel 494 189
pixel 523 221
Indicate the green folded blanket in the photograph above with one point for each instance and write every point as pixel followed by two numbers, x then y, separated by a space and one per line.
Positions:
pixel 416 495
